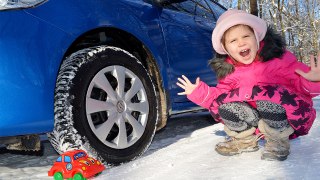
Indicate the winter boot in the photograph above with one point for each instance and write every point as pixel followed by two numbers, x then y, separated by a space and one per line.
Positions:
pixel 237 143
pixel 277 145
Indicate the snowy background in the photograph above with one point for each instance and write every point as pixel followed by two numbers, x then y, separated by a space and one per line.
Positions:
pixel 185 150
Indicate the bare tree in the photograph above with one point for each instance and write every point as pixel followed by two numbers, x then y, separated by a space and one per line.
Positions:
pixel 260 8
pixel 239 4
pixel 254 7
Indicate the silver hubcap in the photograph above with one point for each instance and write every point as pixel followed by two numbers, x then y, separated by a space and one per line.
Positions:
pixel 117 107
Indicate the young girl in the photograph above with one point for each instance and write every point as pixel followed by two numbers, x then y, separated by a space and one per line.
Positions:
pixel 261 88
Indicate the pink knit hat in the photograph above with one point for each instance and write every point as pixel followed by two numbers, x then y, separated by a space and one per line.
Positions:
pixel 234 17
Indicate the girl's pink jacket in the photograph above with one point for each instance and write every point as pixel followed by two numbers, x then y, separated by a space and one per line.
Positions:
pixel 274 80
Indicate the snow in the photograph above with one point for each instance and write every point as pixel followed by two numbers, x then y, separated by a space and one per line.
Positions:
pixel 185 150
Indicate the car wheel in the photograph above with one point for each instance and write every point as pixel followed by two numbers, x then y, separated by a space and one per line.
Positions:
pixel 78 176
pixel 58 176
pixel 105 104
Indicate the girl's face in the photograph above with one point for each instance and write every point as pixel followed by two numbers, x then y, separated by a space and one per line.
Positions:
pixel 241 43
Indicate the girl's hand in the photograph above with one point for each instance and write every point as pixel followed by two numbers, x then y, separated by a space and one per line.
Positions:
pixel 185 84
pixel 314 73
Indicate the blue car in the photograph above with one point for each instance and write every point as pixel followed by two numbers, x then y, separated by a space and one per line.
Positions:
pixel 99 75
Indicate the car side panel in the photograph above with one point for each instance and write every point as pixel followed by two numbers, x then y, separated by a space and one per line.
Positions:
pixel 30 50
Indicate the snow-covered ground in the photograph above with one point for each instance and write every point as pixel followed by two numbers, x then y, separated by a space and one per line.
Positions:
pixel 185 150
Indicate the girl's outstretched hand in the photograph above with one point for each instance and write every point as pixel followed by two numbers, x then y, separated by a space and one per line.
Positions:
pixel 185 84
pixel 314 73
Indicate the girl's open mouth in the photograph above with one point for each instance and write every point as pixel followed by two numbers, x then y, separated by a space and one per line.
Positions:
pixel 245 52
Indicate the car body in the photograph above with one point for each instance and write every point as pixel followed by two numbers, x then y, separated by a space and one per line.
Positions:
pixel 100 74
pixel 75 162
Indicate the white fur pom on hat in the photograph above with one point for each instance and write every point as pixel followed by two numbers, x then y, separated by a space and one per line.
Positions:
pixel 234 17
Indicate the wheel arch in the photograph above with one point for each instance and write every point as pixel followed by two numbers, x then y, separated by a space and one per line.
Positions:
pixel 119 38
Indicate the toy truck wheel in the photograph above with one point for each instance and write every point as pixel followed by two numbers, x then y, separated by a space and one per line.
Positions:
pixel 105 104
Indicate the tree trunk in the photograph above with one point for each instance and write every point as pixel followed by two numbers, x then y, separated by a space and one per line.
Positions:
pixel 280 8
pixel 254 7
pixel 239 4
pixel 260 9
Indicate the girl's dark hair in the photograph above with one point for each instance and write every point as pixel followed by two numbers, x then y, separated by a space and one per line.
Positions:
pixel 274 47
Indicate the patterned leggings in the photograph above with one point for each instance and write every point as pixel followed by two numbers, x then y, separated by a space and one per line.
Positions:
pixel 240 116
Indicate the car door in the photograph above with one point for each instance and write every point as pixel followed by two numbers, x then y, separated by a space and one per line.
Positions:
pixel 187 28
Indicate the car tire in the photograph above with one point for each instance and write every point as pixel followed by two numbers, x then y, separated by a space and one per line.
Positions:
pixel 105 103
